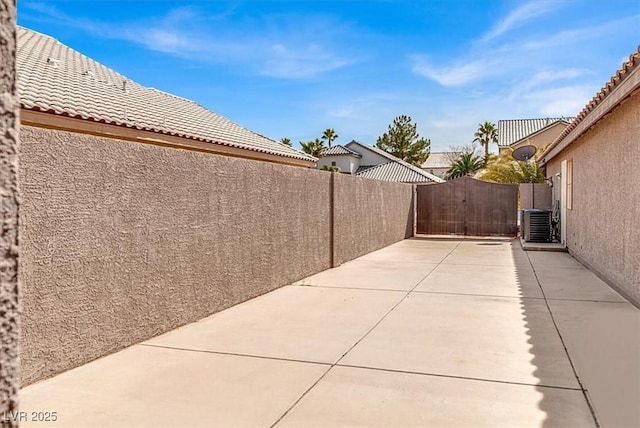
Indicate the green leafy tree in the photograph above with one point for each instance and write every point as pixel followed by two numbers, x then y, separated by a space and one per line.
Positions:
pixel 314 148
pixel 505 169
pixel 466 164
pixel 487 133
pixel 329 135
pixel 330 168
pixel 402 141
pixel 286 141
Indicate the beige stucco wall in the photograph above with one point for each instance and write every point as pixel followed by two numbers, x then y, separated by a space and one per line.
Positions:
pixel 603 227
pixel 123 241
pixel 372 214
pixel 9 291
pixel 535 195
pixel 540 140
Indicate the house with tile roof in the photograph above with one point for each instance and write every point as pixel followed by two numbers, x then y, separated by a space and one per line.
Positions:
pixel 593 167
pixel 59 88
pixel 339 156
pixel 362 160
pixel 514 133
pixel 439 163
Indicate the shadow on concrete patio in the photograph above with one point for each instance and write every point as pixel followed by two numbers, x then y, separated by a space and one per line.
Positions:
pixel 599 330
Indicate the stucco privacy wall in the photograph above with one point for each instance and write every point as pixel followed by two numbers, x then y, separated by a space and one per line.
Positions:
pixel 9 292
pixel 535 195
pixel 370 214
pixel 123 241
pixel 602 227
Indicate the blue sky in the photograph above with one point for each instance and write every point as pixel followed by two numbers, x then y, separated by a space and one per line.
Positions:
pixel 293 68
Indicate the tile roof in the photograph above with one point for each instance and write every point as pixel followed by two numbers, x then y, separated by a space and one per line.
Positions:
pixel 514 130
pixel 57 79
pixel 621 75
pixel 340 150
pixel 439 160
pixel 394 170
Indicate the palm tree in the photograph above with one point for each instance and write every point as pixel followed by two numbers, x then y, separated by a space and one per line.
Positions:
pixel 467 164
pixel 329 135
pixel 286 141
pixel 330 168
pixel 314 148
pixel 486 134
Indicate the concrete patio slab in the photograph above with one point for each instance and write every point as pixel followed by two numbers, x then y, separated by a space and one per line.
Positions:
pixel 352 397
pixel 468 336
pixel 442 244
pixel 145 386
pixel 473 344
pixel 409 253
pixel 298 323
pixel 475 257
pixel 381 275
pixel 545 259
pixel 504 281
pixel 575 284
pixel 603 341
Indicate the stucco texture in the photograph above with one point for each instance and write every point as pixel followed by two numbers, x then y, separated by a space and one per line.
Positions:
pixel 370 214
pixel 535 195
pixel 603 227
pixel 9 291
pixel 123 241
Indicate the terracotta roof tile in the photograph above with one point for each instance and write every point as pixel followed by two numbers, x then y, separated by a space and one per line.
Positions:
pixel 55 78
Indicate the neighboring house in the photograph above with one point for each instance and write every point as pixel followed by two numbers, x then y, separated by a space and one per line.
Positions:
pixel 62 89
pixel 339 156
pixel 536 132
pixel 593 166
pixel 439 163
pixel 362 160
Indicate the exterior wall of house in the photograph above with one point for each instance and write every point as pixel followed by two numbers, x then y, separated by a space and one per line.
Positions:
pixel 123 241
pixel 368 157
pixel 602 226
pixel 544 138
pixel 347 164
pixel 438 172
pixel 372 215
pixel 9 292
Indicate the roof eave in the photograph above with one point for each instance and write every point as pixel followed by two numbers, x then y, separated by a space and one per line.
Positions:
pixel 51 120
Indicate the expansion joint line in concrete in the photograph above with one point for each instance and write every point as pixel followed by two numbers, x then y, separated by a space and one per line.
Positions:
pixel 233 354
pixel 564 345
pixel 476 379
pixel 363 336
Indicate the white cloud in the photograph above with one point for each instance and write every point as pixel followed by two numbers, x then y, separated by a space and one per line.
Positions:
pixel 301 61
pixel 518 17
pixel 282 46
pixel 452 75
pixel 560 101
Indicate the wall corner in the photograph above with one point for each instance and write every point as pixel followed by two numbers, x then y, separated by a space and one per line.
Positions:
pixel 9 291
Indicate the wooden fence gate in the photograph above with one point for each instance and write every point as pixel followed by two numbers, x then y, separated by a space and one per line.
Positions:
pixel 467 206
